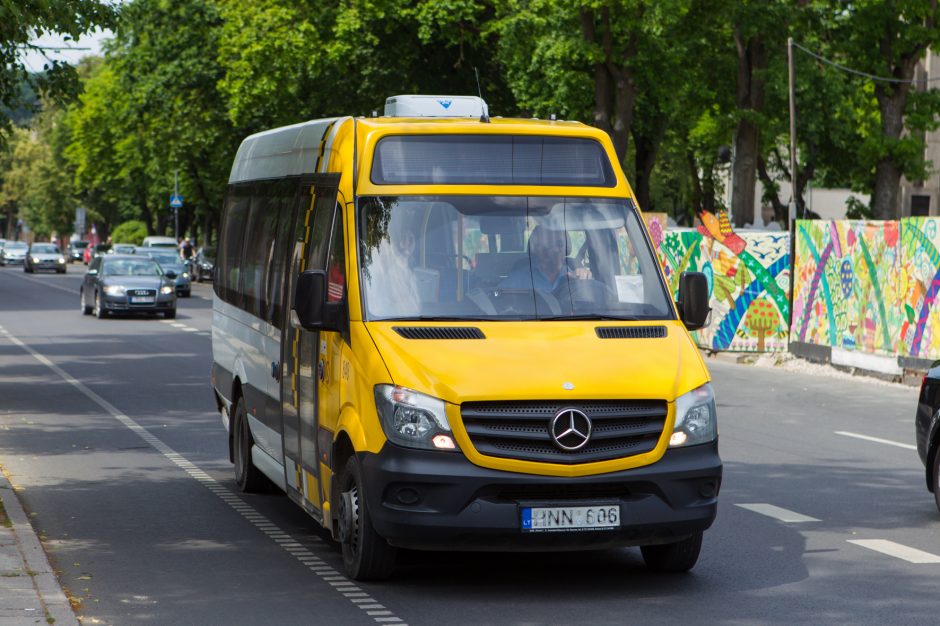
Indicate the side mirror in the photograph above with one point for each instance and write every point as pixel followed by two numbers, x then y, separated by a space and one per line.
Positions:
pixel 693 300
pixel 170 274
pixel 310 306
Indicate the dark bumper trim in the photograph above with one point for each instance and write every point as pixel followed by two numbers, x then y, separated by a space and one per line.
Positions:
pixel 440 501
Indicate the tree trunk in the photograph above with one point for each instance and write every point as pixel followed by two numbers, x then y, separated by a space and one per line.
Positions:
pixel 744 174
pixel 892 100
pixel 644 160
pixel 752 60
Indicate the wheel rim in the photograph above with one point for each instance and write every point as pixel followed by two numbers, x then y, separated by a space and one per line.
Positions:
pixel 241 449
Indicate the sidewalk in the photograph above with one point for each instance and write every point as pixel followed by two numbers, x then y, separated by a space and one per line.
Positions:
pixel 29 590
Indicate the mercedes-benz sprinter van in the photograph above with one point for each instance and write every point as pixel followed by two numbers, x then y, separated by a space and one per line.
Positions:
pixel 438 330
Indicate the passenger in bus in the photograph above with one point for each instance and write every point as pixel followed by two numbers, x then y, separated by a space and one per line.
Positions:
pixel 548 265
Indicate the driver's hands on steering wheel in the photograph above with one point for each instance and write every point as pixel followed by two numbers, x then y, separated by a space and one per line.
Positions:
pixel 580 273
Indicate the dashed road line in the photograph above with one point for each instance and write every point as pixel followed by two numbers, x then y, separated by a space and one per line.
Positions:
pixel 306 557
pixel 778 513
pixel 897 550
pixel 887 442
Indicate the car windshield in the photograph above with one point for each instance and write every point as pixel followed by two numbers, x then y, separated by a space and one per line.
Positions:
pixel 44 248
pixel 166 260
pixel 507 258
pixel 16 245
pixel 79 244
pixel 130 267
pixel 208 253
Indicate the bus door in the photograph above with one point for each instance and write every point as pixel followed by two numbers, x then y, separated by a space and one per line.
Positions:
pixel 313 224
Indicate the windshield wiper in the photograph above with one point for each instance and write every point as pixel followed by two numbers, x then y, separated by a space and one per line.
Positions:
pixel 431 318
pixel 592 316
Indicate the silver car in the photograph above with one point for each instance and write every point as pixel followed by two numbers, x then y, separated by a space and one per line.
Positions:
pixel 44 256
pixel 13 253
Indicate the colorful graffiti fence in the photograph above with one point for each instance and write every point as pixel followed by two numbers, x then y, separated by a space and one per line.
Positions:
pixel 748 277
pixel 869 286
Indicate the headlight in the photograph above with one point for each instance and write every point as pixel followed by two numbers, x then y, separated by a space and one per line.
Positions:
pixel 166 290
pixel 61 260
pixel 696 419
pixel 413 419
pixel 185 274
pixel 35 259
pixel 114 290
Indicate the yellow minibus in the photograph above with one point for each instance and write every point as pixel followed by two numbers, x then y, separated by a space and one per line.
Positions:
pixel 438 330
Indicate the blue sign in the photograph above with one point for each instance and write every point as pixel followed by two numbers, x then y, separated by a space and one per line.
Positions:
pixel 176 201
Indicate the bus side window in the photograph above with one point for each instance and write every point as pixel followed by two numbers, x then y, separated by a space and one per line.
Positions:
pixel 336 265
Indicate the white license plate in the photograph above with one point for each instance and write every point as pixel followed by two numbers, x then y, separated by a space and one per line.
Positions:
pixel 141 300
pixel 561 518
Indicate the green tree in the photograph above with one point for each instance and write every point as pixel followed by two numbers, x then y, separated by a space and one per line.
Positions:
pixel 21 23
pixel 888 38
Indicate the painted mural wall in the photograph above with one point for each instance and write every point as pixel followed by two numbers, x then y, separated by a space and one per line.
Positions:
pixel 748 277
pixel 869 286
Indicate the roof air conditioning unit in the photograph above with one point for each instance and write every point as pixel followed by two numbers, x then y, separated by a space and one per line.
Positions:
pixel 436 106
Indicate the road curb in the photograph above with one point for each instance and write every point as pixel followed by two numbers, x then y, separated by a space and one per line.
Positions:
pixel 34 561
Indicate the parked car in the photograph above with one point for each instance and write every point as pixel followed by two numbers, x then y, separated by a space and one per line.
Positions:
pixel 76 250
pixel 13 253
pixel 122 248
pixel 125 283
pixel 927 428
pixel 44 256
pixel 170 261
pixel 204 264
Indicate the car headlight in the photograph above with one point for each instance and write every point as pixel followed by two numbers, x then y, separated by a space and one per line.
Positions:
pixel 413 419
pixel 166 290
pixel 185 274
pixel 114 290
pixel 696 418
pixel 61 259
pixel 35 259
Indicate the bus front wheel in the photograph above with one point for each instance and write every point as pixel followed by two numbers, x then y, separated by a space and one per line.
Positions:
pixel 366 555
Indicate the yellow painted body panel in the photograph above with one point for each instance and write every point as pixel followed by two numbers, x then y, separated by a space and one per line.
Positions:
pixel 517 360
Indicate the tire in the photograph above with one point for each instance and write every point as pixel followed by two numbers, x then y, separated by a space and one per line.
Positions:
pixel 99 310
pixel 170 315
pixel 86 310
pixel 249 478
pixel 366 555
pixel 936 478
pixel 673 557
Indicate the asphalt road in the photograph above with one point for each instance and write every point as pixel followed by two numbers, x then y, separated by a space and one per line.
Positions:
pixel 109 429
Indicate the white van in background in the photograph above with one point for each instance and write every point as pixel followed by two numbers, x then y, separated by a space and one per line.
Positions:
pixel 159 242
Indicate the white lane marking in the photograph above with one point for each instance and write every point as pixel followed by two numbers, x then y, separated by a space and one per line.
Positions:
pixel 777 513
pixel 897 550
pixel 282 539
pixel 888 442
pixel 39 281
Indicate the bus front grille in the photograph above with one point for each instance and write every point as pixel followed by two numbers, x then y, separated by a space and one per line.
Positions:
pixel 523 430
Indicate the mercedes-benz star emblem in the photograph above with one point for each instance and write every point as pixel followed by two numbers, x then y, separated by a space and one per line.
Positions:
pixel 570 429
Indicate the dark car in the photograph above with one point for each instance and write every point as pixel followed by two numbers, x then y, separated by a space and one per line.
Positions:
pixel 123 283
pixel 44 256
pixel 170 261
pixel 76 250
pixel 204 264
pixel 927 428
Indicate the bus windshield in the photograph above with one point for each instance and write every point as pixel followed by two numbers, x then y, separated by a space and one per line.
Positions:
pixel 506 258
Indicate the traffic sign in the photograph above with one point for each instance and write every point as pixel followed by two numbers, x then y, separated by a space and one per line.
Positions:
pixel 176 201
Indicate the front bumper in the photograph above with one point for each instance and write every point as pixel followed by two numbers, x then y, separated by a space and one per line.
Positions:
pixel 440 501
pixel 47 265
pixel 121 304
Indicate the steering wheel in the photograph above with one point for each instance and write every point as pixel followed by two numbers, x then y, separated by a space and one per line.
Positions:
pixel 584 290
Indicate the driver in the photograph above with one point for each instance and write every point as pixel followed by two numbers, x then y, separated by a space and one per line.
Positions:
pixel 548 265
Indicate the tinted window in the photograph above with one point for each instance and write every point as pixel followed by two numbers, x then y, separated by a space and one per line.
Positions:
pixel 259 247
pixel 491 160
pixel 230 245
